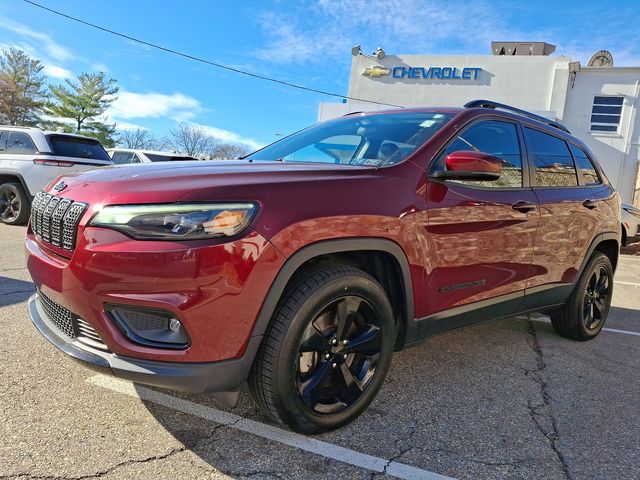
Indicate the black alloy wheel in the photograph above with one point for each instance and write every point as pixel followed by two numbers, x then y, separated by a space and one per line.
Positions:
pixel 338 355
pixel 327 350
pixel 586 310
pixel 596 299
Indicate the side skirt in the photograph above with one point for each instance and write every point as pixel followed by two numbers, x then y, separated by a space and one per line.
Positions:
pixel 537 299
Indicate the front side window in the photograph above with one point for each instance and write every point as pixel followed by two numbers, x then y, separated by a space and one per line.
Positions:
pixel 606 113
pixel 21 143
pixel 375 140
pixel 589 172
pixel 496 138
pixel 552 160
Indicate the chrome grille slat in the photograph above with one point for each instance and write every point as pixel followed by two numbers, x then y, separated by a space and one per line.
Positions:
pixel 55 219
pixel 46 218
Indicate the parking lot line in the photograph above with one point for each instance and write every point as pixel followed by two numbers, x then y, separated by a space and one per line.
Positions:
pixel 627 283
pixel 626 332
pixel 328 450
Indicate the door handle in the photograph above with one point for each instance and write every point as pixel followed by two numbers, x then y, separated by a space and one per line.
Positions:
pixel 523 206
pixel 590 204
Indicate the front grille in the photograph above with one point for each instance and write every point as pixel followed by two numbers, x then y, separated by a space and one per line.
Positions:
pixel 68 324
pixel 55 220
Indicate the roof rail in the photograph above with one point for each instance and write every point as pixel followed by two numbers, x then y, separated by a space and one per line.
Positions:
pixel 524 113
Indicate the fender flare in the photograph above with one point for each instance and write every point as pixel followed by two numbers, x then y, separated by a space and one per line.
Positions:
pixel 297 259
pixel 597 240
pixel 20 179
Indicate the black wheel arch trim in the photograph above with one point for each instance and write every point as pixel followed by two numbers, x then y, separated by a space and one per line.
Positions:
pixel 324 247
pixel 598 239
pixel 20 179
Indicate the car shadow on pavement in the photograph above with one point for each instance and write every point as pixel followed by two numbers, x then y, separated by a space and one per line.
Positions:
pixel 14 291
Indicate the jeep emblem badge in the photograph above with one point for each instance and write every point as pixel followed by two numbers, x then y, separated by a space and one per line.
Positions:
pixel 58 187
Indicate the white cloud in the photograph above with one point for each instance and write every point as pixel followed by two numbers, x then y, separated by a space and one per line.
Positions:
pixel 228 136
pixel 57 72
pixel 178 106
pixel 120 125
pixel 42 40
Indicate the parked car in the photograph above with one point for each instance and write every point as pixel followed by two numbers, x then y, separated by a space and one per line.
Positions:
pixel 31 158
pixel 122 156
pixel 303 267
pixel 630 224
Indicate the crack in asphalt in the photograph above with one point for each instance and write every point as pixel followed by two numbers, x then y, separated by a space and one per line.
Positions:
pixel 403 451
pixel 101 473
pixel 543 410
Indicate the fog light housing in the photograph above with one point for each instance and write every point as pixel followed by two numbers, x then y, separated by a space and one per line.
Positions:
pixel 149 327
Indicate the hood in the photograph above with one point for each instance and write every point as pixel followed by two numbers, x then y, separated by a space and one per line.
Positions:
pixel 194 181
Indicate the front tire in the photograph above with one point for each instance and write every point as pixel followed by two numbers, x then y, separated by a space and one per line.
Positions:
pixel 584 314
pixel 327 351
pixel 14 204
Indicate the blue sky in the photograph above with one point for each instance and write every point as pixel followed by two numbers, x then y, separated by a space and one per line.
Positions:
pixel 297 41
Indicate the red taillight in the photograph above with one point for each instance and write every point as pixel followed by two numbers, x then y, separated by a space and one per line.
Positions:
pixel 53 163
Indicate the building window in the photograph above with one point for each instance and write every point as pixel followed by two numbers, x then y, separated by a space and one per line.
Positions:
pixel 605 114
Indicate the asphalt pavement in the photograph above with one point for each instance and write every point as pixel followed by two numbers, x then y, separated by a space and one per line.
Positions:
pixel 506 399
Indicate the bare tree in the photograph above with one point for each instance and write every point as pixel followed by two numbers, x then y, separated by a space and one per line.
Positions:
pixel 191 140
pixel 228 151
pixel 142 139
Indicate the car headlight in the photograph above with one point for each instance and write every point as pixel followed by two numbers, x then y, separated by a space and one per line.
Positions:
pixel 177 221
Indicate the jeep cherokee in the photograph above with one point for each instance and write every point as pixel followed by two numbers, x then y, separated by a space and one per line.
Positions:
pixel 303 266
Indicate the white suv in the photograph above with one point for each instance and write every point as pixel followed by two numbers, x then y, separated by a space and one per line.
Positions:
pixel 31 158
pixel 129 155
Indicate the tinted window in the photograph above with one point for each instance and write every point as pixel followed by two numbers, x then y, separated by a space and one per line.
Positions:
pixel 120 158
pixel 18 142
pixel 357 139
pixel 589 173
pixel 3 141
pixel 552 160
pixel 67 146
pixel 166 158
pixel 496 138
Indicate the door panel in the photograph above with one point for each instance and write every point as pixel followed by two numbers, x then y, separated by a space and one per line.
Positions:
pixel 482 247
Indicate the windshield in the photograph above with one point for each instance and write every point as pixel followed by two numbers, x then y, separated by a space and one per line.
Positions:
pixel 68 146
pixel 167 158
pixel 375 140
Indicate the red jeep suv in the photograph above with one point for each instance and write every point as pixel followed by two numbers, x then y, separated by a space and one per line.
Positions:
pixel 303 266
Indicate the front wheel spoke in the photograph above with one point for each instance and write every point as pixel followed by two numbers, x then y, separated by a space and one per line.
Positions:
pixel 603 284
pixel 599 306
pixel 311 389
pixel 367 342
pixel 314 341
pixel 345 315
pixel 354 387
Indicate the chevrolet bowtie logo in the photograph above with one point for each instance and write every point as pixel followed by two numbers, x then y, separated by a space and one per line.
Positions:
pixel 376 71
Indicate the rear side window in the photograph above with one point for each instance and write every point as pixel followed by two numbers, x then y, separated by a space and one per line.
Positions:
pixel 589 172
pixel 552 160
pixel 166 158
pixel 67 146
pixel 121 158
pixel 494 137
pixel 21 143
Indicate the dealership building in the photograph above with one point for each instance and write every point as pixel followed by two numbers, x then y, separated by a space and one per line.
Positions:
pixel 598 102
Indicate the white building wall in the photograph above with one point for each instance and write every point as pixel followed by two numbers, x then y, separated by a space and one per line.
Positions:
pixel 617 152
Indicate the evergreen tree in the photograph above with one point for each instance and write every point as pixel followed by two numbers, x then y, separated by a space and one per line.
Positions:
pixel 85 103
pixel 22 93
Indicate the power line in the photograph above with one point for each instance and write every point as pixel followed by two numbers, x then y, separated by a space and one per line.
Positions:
pixel 202 60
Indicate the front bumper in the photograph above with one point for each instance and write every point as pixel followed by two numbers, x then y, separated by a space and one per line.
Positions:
pixel 222 376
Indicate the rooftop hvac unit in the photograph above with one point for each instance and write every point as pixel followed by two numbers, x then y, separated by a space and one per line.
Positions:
pixel 522 48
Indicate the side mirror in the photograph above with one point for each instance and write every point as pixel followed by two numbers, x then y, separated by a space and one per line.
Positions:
pixel 471 165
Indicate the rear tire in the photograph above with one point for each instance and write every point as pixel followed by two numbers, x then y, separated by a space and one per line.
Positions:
pixel 327 351
pixel 586 311
pixel 14 204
